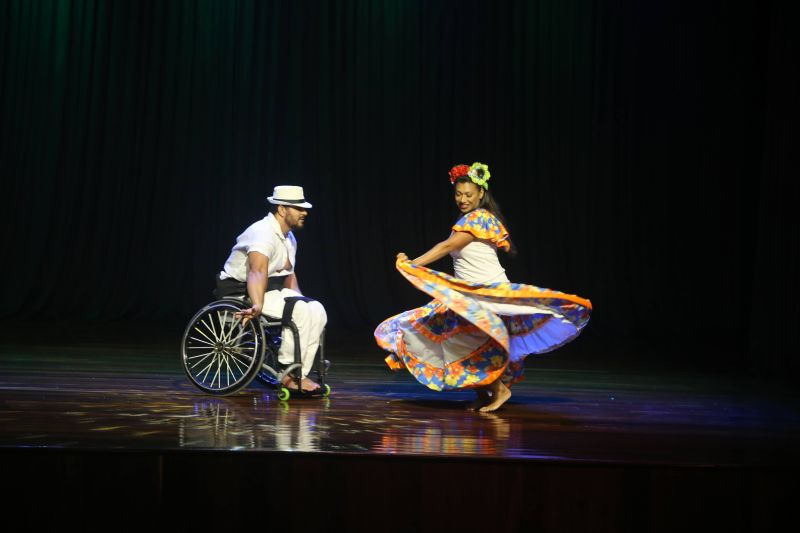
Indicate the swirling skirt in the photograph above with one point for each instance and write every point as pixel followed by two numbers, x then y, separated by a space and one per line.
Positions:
pixel 472 334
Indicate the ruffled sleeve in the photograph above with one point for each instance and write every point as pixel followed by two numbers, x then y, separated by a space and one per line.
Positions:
pixel 484 225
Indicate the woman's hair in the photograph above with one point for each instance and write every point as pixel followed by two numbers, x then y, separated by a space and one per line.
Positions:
pixel 490 204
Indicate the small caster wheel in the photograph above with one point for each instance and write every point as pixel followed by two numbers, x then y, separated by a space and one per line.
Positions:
pixel 283 394
pixel 327 391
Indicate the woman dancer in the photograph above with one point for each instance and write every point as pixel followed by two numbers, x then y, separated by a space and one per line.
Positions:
pixel 479 327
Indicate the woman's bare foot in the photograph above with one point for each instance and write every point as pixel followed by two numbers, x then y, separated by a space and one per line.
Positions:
pixel 500 395
pixel 482 399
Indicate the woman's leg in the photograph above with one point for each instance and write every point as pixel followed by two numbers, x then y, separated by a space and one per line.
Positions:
pixel 482 398
pixel 500 395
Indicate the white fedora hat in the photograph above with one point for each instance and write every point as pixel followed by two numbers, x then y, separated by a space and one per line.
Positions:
pixel 288 195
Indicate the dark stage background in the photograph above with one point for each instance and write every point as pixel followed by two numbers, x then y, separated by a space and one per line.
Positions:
pixel 642 152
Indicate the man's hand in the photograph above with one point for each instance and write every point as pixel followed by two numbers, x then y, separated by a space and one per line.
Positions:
pixel 402 257
pixel 248 314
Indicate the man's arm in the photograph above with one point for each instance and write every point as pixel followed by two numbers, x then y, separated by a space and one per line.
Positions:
pixel 256 285
pixel 291 283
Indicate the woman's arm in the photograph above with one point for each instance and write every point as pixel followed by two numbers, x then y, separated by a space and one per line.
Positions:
pixel 456 241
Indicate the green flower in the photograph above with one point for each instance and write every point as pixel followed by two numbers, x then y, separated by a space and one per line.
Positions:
pixel 479 174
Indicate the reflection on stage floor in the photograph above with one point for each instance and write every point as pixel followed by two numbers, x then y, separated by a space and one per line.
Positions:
pixel 110 397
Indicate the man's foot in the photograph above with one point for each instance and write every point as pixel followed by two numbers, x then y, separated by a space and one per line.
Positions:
pixel 309 385
pixel 289 382
pixel 500 395
pixel 481 399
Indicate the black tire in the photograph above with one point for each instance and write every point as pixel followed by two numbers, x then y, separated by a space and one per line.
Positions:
pixel 219 355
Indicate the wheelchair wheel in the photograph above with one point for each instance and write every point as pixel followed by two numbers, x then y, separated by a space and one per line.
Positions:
pixel 219 355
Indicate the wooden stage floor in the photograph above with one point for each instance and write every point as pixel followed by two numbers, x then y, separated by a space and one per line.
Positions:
pixel 65 403
pixel 112 397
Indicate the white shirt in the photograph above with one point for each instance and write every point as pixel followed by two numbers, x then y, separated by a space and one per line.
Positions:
pixel 265 237
pixel 477 262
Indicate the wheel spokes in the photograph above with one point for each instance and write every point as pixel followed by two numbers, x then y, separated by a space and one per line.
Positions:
pixel 220 349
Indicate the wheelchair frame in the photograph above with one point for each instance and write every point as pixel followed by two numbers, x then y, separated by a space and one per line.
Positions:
pixel 221 357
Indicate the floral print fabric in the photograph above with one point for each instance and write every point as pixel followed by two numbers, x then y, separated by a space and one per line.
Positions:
pixel 460 341
pixel 484 225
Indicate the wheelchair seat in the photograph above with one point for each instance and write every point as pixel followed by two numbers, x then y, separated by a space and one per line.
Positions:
pixel 220 356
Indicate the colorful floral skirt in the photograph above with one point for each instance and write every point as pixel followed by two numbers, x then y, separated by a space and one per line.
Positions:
pixel 472 334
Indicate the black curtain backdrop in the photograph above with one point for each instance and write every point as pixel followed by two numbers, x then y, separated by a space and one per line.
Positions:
pixel 642 152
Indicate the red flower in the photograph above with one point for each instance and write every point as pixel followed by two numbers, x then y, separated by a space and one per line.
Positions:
pixel 458 171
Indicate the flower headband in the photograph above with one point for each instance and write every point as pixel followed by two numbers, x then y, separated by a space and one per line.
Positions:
pixel 478 173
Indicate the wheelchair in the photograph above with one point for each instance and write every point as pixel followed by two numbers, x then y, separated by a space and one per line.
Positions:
pixel 221 356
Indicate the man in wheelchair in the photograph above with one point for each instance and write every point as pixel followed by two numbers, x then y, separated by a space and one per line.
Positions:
pixel 261 265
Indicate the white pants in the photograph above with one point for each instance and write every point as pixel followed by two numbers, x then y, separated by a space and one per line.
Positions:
pixel 310 319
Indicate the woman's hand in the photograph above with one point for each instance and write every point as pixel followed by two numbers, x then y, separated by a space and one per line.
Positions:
pixel 402 257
